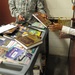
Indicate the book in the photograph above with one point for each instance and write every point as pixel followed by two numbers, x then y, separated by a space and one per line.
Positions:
pixel 14 53
pixel 4 28
pixel 44 21
pixel 38 25
pixel 3 50
pixel 4 41
pixel 10 31
pixel 28 41
pixel 32 31
pixel 12 35
pixel 40 29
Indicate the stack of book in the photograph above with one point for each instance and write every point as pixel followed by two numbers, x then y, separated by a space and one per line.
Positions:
pixel 21 47
pixel 38 25
pixel 28 41
pixel 14 52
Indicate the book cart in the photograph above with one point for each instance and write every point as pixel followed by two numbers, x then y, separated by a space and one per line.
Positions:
pixel 20 69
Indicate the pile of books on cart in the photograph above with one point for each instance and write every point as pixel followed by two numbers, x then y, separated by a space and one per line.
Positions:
pixel 18 43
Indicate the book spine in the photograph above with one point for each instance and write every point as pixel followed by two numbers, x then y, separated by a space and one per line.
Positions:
pixel 7 37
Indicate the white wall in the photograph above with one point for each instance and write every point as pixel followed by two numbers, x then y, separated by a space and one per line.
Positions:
pixel 58 8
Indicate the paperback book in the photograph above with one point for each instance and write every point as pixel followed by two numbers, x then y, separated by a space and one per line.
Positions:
pixel 32 31
pixel 28 41
pixel 4 41
pixel 14 53
pixel 3 50
pixel 44 21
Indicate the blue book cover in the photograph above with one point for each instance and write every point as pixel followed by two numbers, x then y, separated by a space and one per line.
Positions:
pixel 14 53
pixel 1 42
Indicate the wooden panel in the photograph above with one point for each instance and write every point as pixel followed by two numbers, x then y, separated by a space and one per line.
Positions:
pixel 5 16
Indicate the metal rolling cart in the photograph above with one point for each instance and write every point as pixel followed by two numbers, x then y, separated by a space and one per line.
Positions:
pixel 19 69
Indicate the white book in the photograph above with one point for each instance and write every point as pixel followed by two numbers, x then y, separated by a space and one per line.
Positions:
pixel 6 27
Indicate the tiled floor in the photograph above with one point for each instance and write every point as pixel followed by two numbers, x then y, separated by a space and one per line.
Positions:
pixel 57 65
